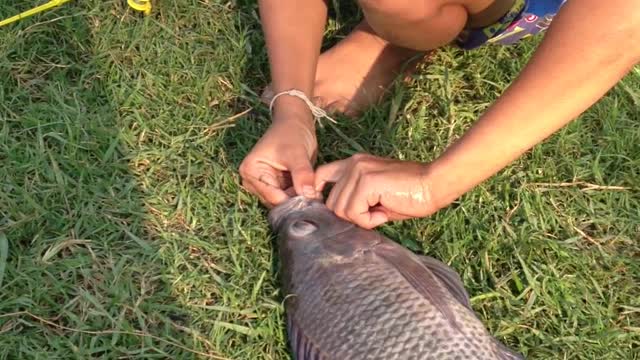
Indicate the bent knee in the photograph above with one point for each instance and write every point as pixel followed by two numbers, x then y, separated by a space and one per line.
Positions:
pixel 418 25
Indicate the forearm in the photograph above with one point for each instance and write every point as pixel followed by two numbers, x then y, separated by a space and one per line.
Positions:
pixel 585 52
pixel 293 33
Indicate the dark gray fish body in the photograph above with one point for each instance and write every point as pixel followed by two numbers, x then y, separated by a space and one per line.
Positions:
pixel 353 294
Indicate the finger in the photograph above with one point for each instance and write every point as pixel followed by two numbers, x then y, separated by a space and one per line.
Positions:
pixel 273 195
pixel 373 220
pixel 334 194
pixel 250 188
pixel 344 206
pixel 363 207
pixel 263 180
pixel 392 215
pixel 266 185
pixel 276 178
pixel 338 191
pixel 330 173
pixel 355 206
pixel 303 178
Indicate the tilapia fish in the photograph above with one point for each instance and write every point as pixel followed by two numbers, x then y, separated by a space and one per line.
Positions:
pixel 351 294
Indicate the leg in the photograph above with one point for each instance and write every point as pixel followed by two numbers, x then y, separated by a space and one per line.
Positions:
pixel 357 71
pixel 415 24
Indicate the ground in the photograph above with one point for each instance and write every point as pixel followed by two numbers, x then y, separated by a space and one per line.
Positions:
pixel 124 232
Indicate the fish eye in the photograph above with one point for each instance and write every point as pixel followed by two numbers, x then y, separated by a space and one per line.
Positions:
pixel 302 228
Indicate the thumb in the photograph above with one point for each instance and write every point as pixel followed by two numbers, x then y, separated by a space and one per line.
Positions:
pixel 303 177
pixel 376 218
pixel 389 214
pixel 330 173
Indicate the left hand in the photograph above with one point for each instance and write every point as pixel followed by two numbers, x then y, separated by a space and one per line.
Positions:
pixel 370 190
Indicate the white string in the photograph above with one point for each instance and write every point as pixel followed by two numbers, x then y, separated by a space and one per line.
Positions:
pixel 317 112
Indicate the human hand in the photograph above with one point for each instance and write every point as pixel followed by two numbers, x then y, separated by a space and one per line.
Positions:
pixel 282 158
pixel 370 190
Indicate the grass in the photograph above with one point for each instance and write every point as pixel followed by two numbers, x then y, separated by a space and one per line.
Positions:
pixel 124 232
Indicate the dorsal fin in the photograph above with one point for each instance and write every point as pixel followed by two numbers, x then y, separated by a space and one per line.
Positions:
pixel 449 278
pixel 419 276
pixel 452 281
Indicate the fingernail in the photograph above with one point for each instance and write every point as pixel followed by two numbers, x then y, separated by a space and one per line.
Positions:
pixel 308 191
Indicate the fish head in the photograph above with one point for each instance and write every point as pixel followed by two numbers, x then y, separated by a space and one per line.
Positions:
pixel 306 226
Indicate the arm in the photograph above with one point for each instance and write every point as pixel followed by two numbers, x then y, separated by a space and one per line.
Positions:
pixel 283 156
pixel 293 33
pixel 589 47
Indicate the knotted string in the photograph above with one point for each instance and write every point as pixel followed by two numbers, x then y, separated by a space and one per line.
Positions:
pixel 317 112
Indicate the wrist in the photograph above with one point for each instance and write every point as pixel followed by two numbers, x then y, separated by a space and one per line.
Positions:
pixel 290 109
pixel 440 187
pixel 295 127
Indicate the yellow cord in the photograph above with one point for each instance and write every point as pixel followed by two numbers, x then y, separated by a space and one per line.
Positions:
pixel 141 5
pixel 35 10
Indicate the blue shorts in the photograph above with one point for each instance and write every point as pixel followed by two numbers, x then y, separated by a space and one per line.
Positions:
pixel 526 18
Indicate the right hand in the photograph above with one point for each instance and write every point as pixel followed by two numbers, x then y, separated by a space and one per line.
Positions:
pixel 282 157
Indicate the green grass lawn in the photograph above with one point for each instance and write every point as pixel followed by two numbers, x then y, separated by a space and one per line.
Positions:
pixel 124 232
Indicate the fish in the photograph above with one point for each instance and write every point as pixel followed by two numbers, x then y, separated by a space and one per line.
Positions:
pixel 351 293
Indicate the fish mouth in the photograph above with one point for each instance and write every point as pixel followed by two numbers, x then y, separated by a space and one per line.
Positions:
pixel 296 203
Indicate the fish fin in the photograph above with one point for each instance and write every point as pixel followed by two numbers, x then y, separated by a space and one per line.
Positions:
pixel 301 346
pixel 449 278
pixel 452 281
pixel 420 277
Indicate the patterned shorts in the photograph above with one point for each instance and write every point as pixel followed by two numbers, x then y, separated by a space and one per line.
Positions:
pixel 525 18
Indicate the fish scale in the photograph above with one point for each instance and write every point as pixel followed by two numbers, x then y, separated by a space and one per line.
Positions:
pixel 352 294
pixel 377 303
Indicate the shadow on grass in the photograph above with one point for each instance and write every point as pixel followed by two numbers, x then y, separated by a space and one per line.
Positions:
pixel 80 252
